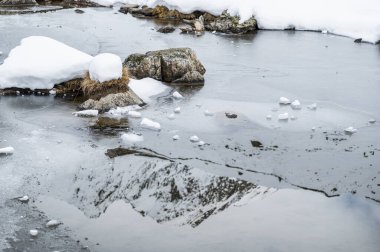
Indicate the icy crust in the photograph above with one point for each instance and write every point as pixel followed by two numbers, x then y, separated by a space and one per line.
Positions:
pixel 352 18
pixel 41 62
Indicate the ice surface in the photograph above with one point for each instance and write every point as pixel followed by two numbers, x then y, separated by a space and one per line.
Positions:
pixel 40 62
pixel 105 67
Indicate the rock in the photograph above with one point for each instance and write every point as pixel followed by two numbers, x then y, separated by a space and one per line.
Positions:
pixel 283 117
pixel 226 23
pixel 186 29
pixel 176 137
pixel 126 7
pixel 256 144
pixel 231 115
pixel 178 65
pixel 350 130
pixel 359 40
pixel 166 29
pixel 117 152
pixel 199 24
pixel 112 101
pixel 372 120
pixel 79 11
pixel 17 3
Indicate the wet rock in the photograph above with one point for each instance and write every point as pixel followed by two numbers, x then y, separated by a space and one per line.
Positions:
pixel 79 11
pixel 226 23
pixel 112 153
pixel 231 115
pixel 166 29
pixel 256 144
pixel 359 40
pixel 17 3
pixel 109 126
pixel 112 101
pixel 178 65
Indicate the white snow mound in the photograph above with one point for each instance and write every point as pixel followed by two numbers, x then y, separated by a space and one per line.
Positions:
pixel 106 67
pixel 40 62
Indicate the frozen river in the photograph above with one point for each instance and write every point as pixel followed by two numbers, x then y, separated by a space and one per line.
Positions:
pixel 304 190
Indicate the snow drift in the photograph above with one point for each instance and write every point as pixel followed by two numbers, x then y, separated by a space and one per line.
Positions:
pixel 40 62
pixel 353 18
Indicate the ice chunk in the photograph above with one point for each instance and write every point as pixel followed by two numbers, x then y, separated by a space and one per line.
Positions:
pixel 24 199
pixel 119 111
pixel 372 120
pixel 171 116
pixel 350 130
pixel 208 113
pixel 293 118
pixel 296 104
pixel 149 124
pixel 106 67
pixel 7 150
pixel 177 110
pixel 134 114
pixel 201 143
pixel 53 92
pixel 41 62
pixel 177 95
pixel 87 113
pixel 269 117
pixel 313 129
pixel 194 139
pixel 312 106
pixel 284 101
pixel 33 232
pixel 283 117
pixel 176 137
pixel 53 223
pixel 132 138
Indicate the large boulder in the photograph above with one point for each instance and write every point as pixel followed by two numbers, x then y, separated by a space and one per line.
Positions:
pixel 17 3
pixel 177 65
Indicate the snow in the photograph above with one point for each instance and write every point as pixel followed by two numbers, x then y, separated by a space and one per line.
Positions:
pixel 33 232
pixel 350 130
pixel 132 138
pixel 7 150
pixel 106 67
pixel 147 88
pixel 40 62
pixel 194 139
pixel 177 110
pixel 177 95
pixel 52 223
pixel 296 104
pixel 87 113
pixel 134 114
pixel 352 18
pixel 149 124
pixel 284 116
pixel 284 101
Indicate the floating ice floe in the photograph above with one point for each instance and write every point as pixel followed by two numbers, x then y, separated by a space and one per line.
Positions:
pixel 283 117
pixel 33 232
pixel 105 67
pixel 194 139
pixel 87 113
pixel 52 223
pixel 293 118
pixel 350 130
pixel 372 120
pixel 208 113
pixel 134 114
pixel 171 116
pixel 269 117
pixel 284 101
pixel 149 124
pixel 312 106
pixel 177 95
pixel 7 150
pixel 132 138
pixel 24 199
pixel 295 104
pixel 177 110
pixel 176 137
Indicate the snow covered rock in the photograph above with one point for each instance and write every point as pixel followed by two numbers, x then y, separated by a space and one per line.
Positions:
pixel 350 130
pixel 17 3
pixel 201 143
pixel 283 117
pixel 284 101
pixel 87 113
pixel 40 63
pixel 7 150
pixel 149 124
pixel 106 67
pixel 132 138
pixel 179 65
pixel 33 232
pixel 194 139
pixel 177 95
pixel 295 105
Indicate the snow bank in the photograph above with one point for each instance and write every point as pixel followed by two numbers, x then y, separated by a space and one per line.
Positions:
pixel 40 62
pixel 106 67
pixel 353 18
